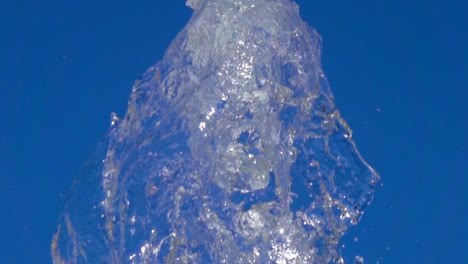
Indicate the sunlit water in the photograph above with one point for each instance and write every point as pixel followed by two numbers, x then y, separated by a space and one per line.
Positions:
pixel 231 151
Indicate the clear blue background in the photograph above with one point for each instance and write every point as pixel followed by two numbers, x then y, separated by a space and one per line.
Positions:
pixel 398 70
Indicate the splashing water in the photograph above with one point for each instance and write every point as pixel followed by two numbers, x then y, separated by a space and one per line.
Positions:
pixel 231 151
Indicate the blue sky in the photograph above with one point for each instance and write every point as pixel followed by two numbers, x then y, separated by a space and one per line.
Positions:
pixel 398 70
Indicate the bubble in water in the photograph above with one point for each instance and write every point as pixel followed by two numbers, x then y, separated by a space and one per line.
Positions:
pixel 358 260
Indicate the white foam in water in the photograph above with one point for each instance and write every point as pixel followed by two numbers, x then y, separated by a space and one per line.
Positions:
pixel 232 151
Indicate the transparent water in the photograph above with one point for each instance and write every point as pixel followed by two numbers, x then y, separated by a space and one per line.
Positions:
pixel 231 151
